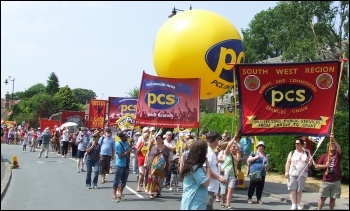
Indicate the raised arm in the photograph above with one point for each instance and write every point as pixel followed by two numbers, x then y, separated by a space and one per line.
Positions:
pixel 336 143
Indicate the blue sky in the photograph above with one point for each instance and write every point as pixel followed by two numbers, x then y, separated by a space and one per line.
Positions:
pixel 101 46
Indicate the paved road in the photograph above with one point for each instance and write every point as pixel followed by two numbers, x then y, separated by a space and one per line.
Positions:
pixel 53 183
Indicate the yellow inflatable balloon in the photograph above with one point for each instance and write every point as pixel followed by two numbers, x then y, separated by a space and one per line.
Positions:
pixel 199 44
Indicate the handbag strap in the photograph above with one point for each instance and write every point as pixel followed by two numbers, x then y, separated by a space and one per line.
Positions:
pixel 262 164
pixel 127 157
pixel 233 164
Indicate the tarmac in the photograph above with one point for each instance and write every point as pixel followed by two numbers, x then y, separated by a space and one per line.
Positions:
pixel 274 190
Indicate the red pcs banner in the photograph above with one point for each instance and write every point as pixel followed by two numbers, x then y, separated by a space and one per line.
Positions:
pixel 168 102
pixel 287 98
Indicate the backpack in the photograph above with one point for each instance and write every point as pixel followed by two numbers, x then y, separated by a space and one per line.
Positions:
pixel 307 153
pixel 309 171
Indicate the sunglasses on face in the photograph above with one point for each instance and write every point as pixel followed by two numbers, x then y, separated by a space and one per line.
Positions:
pixel 297 143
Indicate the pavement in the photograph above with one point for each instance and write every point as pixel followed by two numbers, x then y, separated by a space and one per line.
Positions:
pixel 6 173
pixel 274 190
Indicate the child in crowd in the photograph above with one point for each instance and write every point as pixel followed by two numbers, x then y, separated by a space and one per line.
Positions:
pixel 174 170
pixel 24 144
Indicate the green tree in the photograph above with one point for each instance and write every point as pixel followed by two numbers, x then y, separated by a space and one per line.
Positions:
pixel 53 85
pixel 31 91
pixel 133 92
pixel 84 95
pixel 67 99
pixel 41 105
pixel 299 31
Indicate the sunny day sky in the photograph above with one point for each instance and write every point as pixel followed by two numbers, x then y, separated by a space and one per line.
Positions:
pixel 102 46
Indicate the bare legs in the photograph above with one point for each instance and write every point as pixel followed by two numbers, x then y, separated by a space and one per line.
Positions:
pixel 140 181
pixel 322 200
pixel 80 164
pixel 228 197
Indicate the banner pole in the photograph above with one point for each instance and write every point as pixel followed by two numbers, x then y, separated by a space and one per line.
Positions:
pixel 234 115
pixel 336 102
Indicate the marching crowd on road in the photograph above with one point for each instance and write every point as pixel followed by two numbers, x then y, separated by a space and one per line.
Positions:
pixel 208 167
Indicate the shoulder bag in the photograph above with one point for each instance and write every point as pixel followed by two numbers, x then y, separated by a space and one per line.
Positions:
pixel 255 176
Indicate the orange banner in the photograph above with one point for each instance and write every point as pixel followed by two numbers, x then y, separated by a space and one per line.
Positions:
pixel 97 113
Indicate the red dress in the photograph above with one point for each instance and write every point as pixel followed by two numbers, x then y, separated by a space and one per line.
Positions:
pixel 140 156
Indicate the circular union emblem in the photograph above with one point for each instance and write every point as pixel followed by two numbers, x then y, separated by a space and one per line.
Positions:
pixel 324 81
pixel 252 82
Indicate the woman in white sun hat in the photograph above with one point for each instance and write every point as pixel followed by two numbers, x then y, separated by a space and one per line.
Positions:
pixel 257 162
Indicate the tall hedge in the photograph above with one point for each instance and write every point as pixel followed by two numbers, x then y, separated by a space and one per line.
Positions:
pixel 278 146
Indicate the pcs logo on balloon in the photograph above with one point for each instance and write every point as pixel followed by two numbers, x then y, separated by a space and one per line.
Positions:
pixel 199 44
pixel 220 58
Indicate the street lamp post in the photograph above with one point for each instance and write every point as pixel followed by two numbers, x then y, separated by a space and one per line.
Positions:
pixel 175 11
pixel 13 88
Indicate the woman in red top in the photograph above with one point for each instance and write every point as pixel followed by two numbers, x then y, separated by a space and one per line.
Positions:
pixel 142 141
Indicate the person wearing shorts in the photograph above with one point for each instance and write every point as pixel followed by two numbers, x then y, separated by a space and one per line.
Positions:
pixel 295 170
pixel 230 166
pixel 107 153
pixel 330 164
pixel 83 140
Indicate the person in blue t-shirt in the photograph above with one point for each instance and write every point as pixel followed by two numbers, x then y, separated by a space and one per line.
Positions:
pixel 122 161
pixel 245 144
pixel 107 153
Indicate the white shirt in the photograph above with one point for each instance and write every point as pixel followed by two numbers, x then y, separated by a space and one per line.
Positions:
pixel 170 144
pixel 213 163
pixel 65 135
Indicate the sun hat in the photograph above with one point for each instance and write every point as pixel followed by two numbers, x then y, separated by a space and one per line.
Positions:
pixel 261 143
pixel 145 129
pixel 96 133
pixel 176 156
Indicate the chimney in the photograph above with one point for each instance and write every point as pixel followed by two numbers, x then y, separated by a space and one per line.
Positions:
pixel 7 100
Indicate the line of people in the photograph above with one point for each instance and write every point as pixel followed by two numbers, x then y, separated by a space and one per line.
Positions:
pixel 208 169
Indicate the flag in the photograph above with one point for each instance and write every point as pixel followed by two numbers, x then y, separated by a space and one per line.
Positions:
pixel 255 142
pixel 320 141
pixel 316 139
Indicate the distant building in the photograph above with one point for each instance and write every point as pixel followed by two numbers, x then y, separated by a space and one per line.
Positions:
pixel 6 104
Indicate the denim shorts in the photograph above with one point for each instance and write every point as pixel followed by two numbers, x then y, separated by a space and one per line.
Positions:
pixel 120 176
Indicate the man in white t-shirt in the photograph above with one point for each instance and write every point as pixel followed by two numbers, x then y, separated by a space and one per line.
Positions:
pixel 212 138
pixel 171 144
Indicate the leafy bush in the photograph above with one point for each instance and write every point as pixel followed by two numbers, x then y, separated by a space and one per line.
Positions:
pixel 278 146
